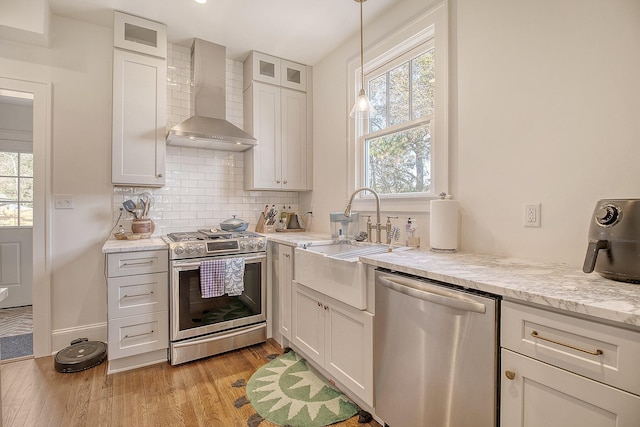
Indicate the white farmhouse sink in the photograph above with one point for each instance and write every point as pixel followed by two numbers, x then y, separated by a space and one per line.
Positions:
pixel 334 270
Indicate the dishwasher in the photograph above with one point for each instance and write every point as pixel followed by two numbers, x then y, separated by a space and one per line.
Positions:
pixel 435 353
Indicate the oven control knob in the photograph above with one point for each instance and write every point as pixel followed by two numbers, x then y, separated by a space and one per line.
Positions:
pixel 201 249
pixel 243 245
pixel 179 250
pixel 260 244
pixel 252 244
pixel 190 249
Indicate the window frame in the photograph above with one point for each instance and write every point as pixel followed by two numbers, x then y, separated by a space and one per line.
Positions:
pixel 431 27
pixel 19 178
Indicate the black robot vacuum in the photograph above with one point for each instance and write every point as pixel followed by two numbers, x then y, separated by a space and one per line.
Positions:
pixel 80 355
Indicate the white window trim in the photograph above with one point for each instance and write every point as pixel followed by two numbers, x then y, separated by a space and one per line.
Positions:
pixel 432 24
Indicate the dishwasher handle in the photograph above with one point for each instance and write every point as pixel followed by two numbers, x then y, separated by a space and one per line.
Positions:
pixel 434 295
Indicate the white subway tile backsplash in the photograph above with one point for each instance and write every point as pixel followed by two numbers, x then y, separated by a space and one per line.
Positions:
pixel 203 187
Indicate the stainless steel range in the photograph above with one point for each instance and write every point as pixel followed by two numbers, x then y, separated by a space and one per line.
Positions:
pixel 202 325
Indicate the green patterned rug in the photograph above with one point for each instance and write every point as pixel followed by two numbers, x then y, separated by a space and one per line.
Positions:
pixel 288 392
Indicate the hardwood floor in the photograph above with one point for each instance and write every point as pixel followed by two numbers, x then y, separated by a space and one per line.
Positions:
pixel 199 393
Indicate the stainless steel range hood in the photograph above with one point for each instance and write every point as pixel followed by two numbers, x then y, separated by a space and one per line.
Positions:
pixel 208 128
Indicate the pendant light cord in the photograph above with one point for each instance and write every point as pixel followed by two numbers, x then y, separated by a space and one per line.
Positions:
pixel 361 48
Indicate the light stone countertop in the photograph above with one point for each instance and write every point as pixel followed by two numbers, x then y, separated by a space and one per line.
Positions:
pixel 152 244
pixel 299 238
pixel 553 285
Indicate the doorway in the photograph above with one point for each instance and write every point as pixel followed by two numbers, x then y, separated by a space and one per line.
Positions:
pixel 24 255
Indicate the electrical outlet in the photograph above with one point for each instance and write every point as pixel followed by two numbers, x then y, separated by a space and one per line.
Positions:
pixel 532 214
pixel 64 201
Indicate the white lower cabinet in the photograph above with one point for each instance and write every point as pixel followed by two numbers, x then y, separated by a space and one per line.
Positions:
pixel 337 337
pixel 138 310
pixel 285 264
pixel 542 395
pixel 560 371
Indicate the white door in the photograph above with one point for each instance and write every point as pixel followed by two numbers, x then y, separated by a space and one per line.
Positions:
pixel 40 261
pixel 16 197
pixel 16 254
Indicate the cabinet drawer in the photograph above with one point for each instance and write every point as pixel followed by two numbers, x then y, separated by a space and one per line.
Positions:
pixel 601 352
pixel 131 263
pixel 133 335
pixel 140 294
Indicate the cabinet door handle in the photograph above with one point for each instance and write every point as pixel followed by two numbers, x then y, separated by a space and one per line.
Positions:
pixel 138 335
pixel 137 295
pixel 160 175
pixel 277 181
pixel 284 182
pixel 326 307
pixel 597 352
pixel 287 256
pixel 509 374
pixel 319 304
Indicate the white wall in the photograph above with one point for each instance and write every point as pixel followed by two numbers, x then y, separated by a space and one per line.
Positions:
pixel 544 108
pixel 78 65
pixel 549 103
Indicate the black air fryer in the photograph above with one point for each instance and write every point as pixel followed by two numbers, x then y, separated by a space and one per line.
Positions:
pixel 614 240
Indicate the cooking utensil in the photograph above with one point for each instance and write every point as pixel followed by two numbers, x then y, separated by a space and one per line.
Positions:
pixel 615 229
pixel 145 200
pixel 130 206
pixel 234 224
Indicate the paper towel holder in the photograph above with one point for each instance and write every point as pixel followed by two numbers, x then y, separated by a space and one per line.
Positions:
pixel 452 228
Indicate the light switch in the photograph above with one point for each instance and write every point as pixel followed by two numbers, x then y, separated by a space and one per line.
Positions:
pixel 64 201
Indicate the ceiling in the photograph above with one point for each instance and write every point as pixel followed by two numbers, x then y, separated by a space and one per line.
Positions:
pixel 299 30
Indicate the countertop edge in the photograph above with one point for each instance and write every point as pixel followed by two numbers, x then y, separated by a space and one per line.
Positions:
pixel 564 288
pixel 152 244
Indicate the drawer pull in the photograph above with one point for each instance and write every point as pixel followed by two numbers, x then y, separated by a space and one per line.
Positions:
pixel 138 335
pixel 129 264
pixel 137 295
pixel 598 352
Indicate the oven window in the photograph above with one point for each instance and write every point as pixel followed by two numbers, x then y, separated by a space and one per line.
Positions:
pixel 195 311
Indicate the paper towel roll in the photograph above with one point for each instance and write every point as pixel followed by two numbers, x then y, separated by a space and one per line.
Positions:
pixel 443 225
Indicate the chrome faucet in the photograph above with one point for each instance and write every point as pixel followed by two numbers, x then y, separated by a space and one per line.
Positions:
pixel 347 210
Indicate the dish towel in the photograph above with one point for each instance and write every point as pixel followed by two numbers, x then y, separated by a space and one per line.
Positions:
pixel 212 275
pixel 234 276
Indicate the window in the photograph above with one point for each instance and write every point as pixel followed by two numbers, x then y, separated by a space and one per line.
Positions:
pixel 397 147
pixel 16 189
pixel 402 150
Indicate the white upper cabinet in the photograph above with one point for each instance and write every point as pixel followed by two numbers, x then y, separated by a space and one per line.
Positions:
pixel 139 35
pixel 139 102
pixel 139 119
pixel 264 68
pixel 277 118
pixel 293 75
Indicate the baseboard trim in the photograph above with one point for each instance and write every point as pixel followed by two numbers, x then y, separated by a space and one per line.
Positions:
pixel 61 338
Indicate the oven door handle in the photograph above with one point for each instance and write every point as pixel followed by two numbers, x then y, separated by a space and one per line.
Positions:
pixel 196 263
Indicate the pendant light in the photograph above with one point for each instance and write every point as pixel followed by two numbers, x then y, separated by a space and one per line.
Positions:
pixel 362 106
